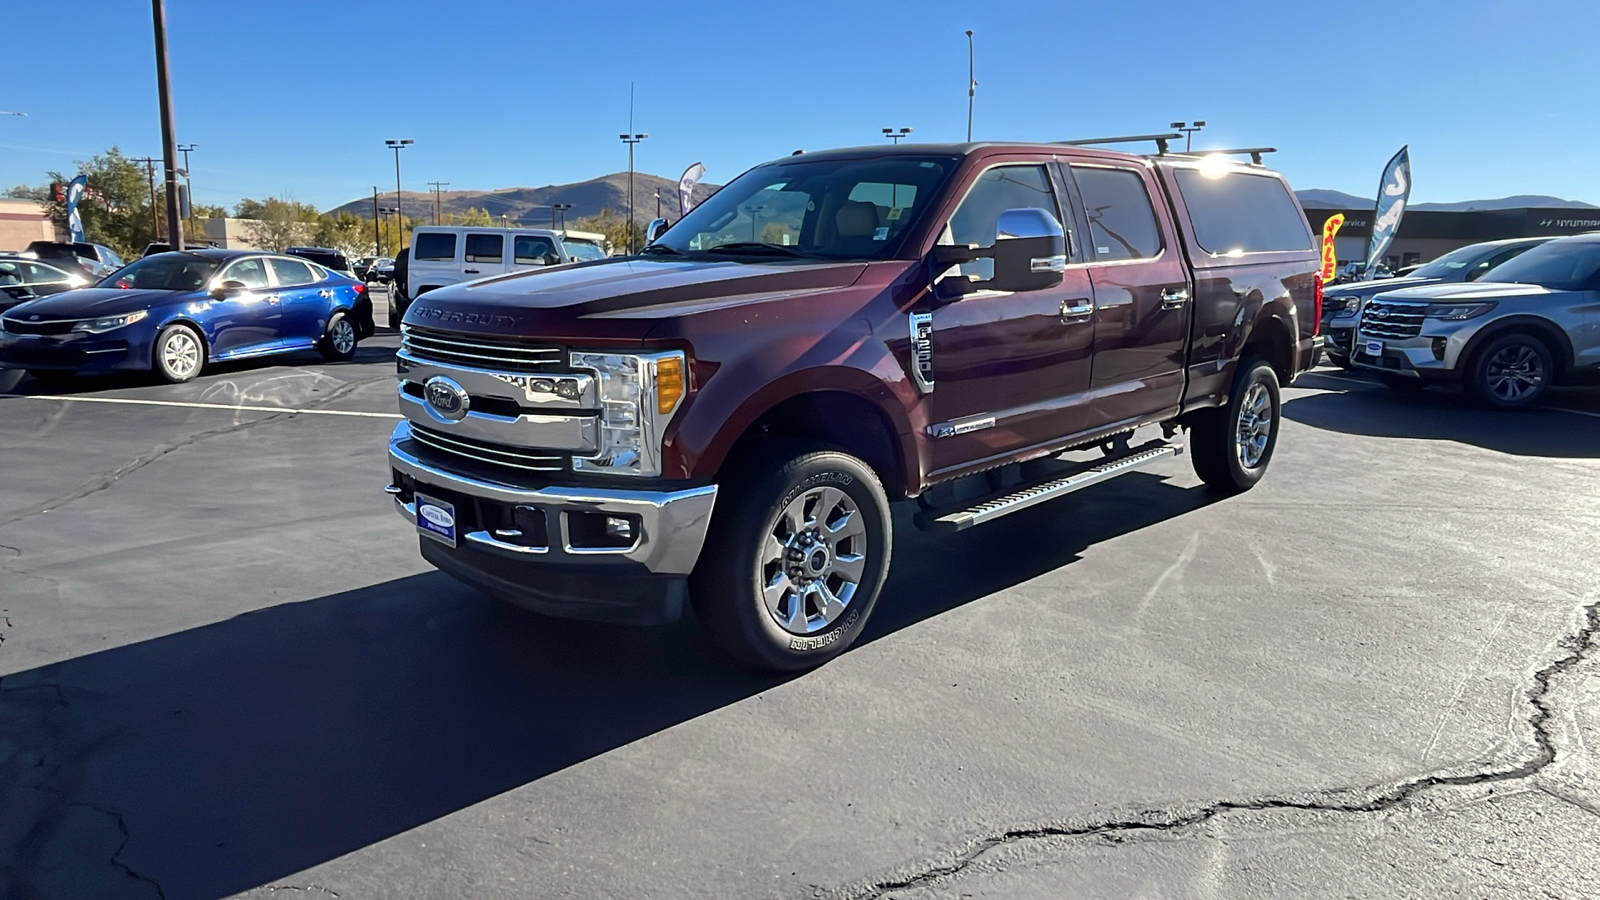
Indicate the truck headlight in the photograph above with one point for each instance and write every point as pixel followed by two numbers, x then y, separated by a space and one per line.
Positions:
pixel 1456 312
pixel 639 393
pixel 109 323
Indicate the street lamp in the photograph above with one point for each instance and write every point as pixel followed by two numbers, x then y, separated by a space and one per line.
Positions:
pixel 1188 130
pixel 894 135
pixel 397 146
pixel 386 212
pixel 631 140
pixel 188 181
pixel 561 210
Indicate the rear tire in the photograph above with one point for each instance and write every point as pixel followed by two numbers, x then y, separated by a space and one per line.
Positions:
pixel 1511 372
pixel 339 341
pixel 795 558
pixel 180 354
pixel 1232 446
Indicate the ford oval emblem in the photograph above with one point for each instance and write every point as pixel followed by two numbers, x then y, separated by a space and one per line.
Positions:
pixel 446 398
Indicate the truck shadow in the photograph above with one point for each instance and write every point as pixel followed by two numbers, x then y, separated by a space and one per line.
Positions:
pixel 239 752
pixel 1354 405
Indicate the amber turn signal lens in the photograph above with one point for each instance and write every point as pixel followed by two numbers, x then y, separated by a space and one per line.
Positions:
pixel 669 383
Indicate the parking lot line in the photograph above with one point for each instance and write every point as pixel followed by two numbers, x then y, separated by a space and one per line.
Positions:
pixel 227 406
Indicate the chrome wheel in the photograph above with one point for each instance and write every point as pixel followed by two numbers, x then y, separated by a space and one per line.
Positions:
pixel 343 337
pixel 813 561
pixel 1255 425
pixel 180 354
pixel 1514 373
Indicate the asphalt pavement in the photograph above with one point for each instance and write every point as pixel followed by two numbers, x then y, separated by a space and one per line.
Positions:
pixel 225 670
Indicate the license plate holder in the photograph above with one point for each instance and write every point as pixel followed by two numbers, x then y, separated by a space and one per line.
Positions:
pixel 436 519
pixel 1374 349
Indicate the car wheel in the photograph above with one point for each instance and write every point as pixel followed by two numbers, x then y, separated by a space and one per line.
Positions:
pixel 180 354
pixel 1232 446
pixel 795 558
pixel 339 341
pixel 1401 382
pixel 1512 372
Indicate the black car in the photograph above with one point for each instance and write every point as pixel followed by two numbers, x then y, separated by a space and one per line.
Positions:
pixel 94 260
pixel 24 279
pixel 325 257
pixel 155 247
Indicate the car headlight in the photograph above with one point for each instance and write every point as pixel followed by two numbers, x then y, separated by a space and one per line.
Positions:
pixel 639 393
pixel 109 323
pixel 1456 312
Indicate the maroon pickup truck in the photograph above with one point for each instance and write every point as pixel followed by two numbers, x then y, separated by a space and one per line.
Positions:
pixel 726 417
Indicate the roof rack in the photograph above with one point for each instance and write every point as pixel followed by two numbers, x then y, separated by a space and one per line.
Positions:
pixel 1160 139
pixel 1255 153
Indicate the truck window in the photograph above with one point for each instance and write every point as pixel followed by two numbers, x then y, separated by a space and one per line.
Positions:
pixel 995 191
pixel 1239 212
pixel 485 248
pixel 434 246
pixel 583 251
pixel 1122 223
pixel 530 249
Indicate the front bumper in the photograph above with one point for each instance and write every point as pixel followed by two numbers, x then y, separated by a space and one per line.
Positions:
pixel 69 353
pixel 559 568
pixel 1339 333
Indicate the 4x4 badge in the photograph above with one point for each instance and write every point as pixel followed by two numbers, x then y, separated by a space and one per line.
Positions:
pixel 922 351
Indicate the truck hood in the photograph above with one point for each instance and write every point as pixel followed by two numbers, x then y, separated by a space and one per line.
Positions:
pixel 1480 290
pixel 619 300
pixel 92 303
pixel 1372 288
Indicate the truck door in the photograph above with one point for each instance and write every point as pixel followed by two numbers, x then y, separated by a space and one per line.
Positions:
pixel 1141 294
pixel 484 254
pixel 1010 369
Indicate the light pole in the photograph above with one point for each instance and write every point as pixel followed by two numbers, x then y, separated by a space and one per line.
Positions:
pixel 377 238
pixel 386 212
pixel 972 84
pixel 559 209
pixel 1188 130
pixel 169 139
pixel 631 140
pixel 188 180
pixel 895 136
pixel 397 146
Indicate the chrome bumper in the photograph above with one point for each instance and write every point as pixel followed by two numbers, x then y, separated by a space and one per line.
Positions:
pixel 673 523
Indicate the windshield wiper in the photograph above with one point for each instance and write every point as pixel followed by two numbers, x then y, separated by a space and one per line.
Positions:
pixel 662 249
pixel 756 248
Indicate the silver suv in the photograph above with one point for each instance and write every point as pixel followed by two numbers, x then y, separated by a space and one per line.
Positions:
pixel 1528 323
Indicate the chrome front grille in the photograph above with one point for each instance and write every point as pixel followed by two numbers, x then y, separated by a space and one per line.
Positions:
pixel 526 460
pixel 1385 319
pixel 486 351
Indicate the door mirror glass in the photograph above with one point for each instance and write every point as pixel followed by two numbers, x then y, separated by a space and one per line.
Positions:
pixel 1030 251
pixel 655 230
pixel 227 289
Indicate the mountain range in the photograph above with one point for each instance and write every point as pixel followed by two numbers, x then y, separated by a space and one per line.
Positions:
pixel 530 206
pixel 1320 198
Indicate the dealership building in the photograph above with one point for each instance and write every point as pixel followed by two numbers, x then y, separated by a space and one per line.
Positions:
pixel 1427 234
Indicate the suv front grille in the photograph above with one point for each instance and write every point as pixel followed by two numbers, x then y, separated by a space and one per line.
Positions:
pixel 494 454
pixel 1392 320
pixel 59 326
pixel 487 351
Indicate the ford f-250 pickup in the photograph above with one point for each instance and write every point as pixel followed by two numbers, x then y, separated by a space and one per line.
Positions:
pixel 725 418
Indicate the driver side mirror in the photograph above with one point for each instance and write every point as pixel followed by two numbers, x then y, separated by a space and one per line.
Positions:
pixel 655 230
pixel 227 289
pixel 1030 251
pixel 550 259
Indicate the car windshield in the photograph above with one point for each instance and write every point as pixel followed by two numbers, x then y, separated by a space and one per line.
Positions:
pixel 583 250
pixel 825 209
pixel 1558 265
pixel 164 272
pixel 1449 264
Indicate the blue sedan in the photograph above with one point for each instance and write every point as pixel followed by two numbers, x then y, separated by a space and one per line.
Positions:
pixel 175 312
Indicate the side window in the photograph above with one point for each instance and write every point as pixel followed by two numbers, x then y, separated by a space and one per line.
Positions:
pixel 290 272
pixel 433 246
pixel 485 248
pixel 251 272
pixel 1122 224
pixel 12 273
pixel 995 191
pixel 529 249
pixel 1479 270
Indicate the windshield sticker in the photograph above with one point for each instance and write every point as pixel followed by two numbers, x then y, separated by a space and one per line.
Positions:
pixel 882 234
pixel 1102 249
pixel 894 214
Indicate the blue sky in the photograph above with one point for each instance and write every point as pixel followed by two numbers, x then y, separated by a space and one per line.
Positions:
pixel 294 98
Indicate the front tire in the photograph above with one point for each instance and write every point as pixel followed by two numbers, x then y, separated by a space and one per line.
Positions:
pixel 795 559
pixel 1232 446
pixel 339 341
pixel 180 354
pixel 1512 372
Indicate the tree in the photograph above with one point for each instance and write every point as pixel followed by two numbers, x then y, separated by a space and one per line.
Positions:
pixel 615 227
pixel 475 216
pixel 23 192
pixel 116 210
pixel 345 232
pixel 278 224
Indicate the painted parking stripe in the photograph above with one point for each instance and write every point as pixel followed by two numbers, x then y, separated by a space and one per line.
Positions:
pixel 187 405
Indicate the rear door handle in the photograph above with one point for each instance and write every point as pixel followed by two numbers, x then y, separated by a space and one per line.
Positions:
pixel 1172 298
pixel 469 271
pixel 1076 309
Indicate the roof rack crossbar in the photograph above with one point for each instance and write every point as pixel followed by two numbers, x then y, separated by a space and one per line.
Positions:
pixel 1255 153
pixel 1160 139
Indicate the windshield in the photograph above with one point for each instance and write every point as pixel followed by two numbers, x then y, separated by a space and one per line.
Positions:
pixel 1558 265
pixel 1449 264
pixel 583 251
pixel 825 209
pixel 164 272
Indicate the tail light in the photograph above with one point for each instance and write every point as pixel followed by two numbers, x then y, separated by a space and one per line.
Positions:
pixel 361 289
pixel 1316 328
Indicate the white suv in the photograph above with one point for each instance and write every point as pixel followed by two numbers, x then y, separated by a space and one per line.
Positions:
pixel 449 254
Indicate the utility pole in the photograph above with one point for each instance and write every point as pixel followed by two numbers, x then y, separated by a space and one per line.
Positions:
pixel 169 134
pixel 149 164
pixel 972 85
pixel 437 214
pixel 658 203
pixel 188 180
pixel 377 239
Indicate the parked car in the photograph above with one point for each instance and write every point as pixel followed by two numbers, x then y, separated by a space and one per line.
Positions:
pixel 366 267
pixel 155 247
pixel 724 418
pixel 176 312
pixel 1525 325
pixel 1342 302
pixel 444 254
pixel 585 245
pixel 325 257
pixel 24 279
pixel 96 260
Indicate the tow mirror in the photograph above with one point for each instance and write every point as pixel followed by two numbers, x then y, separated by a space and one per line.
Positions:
pixel 1030 251
pixel 655 230
pixel 227 289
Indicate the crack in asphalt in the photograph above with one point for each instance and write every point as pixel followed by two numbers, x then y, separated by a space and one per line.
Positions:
pixel 116 858
pixel 1372 799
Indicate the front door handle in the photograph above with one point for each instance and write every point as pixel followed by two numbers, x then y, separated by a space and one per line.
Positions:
pixel 1172 298
pixel 1077 309
pixel 469 271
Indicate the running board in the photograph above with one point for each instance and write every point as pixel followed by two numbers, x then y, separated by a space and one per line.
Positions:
pixel 1004 505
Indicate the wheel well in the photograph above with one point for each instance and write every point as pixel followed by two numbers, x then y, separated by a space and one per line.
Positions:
pixel 1553 337
pixel 1271 340
pixel 843 420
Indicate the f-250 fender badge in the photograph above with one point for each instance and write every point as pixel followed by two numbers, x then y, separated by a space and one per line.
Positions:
pixel 922 351
pixel 965 425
